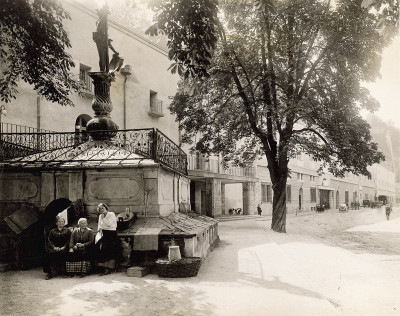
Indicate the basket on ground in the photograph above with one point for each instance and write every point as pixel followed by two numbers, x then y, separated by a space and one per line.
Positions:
pixel 182 268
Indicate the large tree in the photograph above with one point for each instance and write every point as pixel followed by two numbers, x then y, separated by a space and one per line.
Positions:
pixel 275 77
pixel 33 46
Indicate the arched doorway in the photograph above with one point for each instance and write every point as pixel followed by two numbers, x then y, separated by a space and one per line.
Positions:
pixel 80 128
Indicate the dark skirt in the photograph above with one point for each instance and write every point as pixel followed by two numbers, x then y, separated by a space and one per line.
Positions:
pixel 55 262
pixel 108 247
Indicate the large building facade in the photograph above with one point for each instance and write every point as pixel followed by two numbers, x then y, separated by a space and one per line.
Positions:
pixel 141 94
pixel 306 189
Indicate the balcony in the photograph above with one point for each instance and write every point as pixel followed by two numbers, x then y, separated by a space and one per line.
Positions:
pixel 213 165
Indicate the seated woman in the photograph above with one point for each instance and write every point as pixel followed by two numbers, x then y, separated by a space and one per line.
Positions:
pixel 57 249
pixel 108 246
pixel 80 247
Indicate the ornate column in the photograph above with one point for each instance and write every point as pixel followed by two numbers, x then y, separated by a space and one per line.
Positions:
pixel 101 127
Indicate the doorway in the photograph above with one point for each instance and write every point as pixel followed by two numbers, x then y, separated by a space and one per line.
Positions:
pixel 300 198
pixel 337 199
pixel 324 198
pixel 203 202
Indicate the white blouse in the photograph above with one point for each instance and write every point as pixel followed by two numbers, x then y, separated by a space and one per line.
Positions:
pixel 108 222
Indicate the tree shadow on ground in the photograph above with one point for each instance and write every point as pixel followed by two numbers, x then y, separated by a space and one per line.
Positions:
pixel 277 284
pixel 139 297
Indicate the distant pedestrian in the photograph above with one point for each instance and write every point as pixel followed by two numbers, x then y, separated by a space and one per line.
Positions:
pixel 259 210
pixel 388 210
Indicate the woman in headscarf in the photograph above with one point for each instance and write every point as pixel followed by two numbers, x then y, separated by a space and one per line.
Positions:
pixel 57 249
pixel 80 243
pixel 108 246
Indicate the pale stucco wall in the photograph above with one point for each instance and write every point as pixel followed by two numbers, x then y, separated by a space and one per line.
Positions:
pixel 149 72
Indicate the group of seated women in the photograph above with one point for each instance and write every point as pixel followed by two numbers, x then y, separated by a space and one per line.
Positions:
pixel 73 252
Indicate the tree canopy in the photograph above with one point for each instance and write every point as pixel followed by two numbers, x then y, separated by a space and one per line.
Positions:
pixel 33 46
pixel 276 77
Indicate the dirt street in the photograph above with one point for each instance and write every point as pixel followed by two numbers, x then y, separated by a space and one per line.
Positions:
pixel 327 264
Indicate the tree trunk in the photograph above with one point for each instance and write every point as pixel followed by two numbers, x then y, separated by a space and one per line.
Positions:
pixel 279 206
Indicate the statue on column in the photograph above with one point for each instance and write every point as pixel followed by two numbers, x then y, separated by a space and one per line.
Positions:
pixel 101 127
pixel 103 43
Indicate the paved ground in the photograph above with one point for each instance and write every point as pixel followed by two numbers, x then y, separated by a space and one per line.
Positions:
pixel 327 264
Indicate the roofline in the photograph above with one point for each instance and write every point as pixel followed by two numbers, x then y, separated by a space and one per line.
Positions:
pixel 119 27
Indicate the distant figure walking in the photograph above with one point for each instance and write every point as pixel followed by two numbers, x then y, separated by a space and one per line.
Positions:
pixel 388 210
pixel 259 210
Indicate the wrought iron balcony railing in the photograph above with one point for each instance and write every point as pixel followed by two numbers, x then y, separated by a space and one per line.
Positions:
pixel 14 128
pixel 148 143
pixel 213 165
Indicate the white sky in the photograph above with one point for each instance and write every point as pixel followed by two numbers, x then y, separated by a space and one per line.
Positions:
pixel 387 89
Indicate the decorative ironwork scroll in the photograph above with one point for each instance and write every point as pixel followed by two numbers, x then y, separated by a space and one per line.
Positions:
pixel 170 154
pixel 73 149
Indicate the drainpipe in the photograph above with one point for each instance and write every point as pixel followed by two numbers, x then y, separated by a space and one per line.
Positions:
pixel 38 112
pixel 38 143
pixel 126 71
pixel 126 78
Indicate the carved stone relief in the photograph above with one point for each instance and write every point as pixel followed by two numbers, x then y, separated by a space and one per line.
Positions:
pixel 114 188
pixel 17 189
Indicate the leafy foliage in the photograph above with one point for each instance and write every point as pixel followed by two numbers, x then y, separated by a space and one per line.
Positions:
pixel 285 77
pixel 33 47
pixel 388 12
pixel 190 26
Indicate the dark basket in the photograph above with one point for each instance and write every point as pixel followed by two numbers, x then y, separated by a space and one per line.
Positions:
pixel 125 223
pixel 183 268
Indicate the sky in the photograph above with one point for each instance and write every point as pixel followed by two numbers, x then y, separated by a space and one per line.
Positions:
pixel 387 89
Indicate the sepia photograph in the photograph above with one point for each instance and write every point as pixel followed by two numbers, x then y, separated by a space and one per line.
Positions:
pixel 199 157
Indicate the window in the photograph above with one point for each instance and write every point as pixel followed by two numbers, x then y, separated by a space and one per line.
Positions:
pixel 346 197
pixel 85 79
pixel 80 129
pixel 263 192
pixel 269 193
pixel 313 195
pixel 299 176
pixel 288 194
pixel 266 193
pixel 312 178
pixel 156 106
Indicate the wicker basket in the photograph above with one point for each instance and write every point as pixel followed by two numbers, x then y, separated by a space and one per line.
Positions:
pixel 183 268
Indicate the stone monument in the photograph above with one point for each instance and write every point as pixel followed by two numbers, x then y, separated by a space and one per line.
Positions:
pixel 101 127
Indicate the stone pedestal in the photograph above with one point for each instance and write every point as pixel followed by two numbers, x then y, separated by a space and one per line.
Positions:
pixel 101 127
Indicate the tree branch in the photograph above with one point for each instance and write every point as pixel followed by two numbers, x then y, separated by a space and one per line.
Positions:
pixel 313 131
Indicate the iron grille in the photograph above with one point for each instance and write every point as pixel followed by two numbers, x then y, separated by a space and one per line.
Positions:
pixel 54 149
